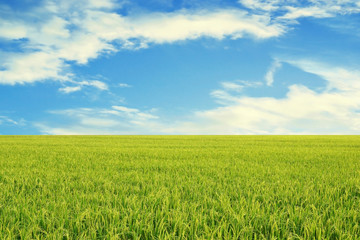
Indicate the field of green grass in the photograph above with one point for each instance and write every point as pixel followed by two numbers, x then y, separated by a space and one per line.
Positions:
pixel 179 187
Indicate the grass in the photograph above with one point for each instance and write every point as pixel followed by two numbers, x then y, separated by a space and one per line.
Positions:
pixel 179 187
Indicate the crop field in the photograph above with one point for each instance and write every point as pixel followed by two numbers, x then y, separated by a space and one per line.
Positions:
pixel 179 187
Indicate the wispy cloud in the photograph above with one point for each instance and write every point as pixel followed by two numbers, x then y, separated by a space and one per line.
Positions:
pixel 229 91
pixel 70 89
pixel 78 86
pixel 223 97
pixel 269 76
pixel 8 121
pixel 232 86
pixel 95 83
pixel 114 120
pixel 338 78
pixel 313 11
pixel 265 5
pixel 124 85
pixel 291 10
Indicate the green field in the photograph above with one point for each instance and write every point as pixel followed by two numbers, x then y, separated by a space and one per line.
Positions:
pixel 180 187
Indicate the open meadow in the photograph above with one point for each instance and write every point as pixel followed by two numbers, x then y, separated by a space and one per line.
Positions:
pixel 179 187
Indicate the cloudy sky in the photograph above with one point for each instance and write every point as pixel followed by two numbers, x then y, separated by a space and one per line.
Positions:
pixel 180 67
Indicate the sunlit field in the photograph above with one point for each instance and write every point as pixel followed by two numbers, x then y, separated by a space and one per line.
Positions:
pixel 179 187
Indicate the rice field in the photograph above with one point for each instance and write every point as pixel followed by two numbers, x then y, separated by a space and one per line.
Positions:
pixel 179 187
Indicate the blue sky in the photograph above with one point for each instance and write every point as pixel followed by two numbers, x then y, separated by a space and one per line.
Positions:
pixel 179 67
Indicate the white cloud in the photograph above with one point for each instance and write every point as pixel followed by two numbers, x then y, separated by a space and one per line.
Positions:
pixel 52 36
pixel 82 47
pixel 134 113
pixel 9 121
pixel 115 120
pixel 225 95
pixel 191 25
pixel 12 30
pixel 178 26
pixel 338 78
pixel 269 76
pixel 81 84
pixel 95 83
pixel 232 86
pixel 291 9
pixel 124 85
pixel 70 89
pixel 125 109
pixel 104 4
pixel 266 5
pixel 31 67
pixel 78 31
pixel 302 111
pixel 313 11
pixel 56 27
pixel 60 32
pixel 336 110
pixel 98 122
